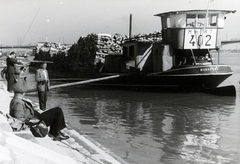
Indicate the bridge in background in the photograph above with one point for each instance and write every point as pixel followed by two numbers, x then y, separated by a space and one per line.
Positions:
pixel 230 42
pixel 19 46
pixel 34 46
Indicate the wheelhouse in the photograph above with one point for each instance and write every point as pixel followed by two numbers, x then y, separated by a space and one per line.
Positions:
pixel 187 37
pixel 192 34
pixel 193 29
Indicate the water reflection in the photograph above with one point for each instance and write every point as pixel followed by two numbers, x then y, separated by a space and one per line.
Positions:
pixel 154 127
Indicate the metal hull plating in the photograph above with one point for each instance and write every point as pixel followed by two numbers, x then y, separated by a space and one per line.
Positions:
pixel 181 77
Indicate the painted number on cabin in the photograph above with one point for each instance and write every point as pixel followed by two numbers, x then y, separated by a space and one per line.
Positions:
pixel 200 39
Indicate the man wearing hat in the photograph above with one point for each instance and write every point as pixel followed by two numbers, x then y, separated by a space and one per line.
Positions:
pixel 23 110
pixel 43 84
pixel 12 72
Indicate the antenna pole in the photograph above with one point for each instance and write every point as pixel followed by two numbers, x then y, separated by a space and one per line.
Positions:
pixel 206 17
pixel 130 27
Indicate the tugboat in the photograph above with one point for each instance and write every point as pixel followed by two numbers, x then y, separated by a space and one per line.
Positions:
pixel 181 59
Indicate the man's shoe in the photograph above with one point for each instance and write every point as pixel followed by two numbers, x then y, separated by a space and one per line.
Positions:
pixel 63 134
pixel 60 137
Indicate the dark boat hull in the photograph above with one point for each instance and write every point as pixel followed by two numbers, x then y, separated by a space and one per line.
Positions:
pixel 182 77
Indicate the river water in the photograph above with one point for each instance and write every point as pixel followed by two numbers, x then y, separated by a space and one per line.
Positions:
pixel 157 128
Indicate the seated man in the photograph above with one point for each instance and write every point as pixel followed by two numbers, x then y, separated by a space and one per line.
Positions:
pixel 23 110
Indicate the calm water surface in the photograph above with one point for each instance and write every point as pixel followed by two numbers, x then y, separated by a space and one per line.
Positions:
pixel 155 128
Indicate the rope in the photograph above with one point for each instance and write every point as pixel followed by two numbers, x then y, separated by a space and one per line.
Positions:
pixel 79 82
pixel 29 26
pixel 85 81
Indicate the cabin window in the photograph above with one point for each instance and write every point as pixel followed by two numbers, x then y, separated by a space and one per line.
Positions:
pixel 125 51
pixel 191 19
pixel 178 20
pixel 213 20
pixel 164 22
pixel 168 22
pixel 131 51
pixel 201 20
pixel 196 20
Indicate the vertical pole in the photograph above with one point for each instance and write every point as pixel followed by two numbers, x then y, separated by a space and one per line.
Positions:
pixel 206 17
pixel 130 27
pixel 194 60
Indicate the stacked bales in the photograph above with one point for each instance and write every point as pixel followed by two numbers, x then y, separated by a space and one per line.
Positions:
pixel 114 45
pixel 151 37
pixel 80 57
pixel 109 45
pixel 51 47
pixel 89 52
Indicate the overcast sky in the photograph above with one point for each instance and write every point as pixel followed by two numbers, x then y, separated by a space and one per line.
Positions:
pixel 31 21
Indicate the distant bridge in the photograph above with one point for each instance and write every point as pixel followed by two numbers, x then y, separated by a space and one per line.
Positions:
pixel 19 46
pixel 230 42
pixel 34 46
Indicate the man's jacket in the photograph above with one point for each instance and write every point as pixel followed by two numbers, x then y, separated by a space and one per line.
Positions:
pixel 21 109
pixel 43 83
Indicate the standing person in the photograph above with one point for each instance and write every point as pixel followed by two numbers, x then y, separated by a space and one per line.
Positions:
pixel 43 84
pixel 54 117
pixel 12 72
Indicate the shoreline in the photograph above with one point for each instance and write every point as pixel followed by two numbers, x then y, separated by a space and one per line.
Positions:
pixel 23 147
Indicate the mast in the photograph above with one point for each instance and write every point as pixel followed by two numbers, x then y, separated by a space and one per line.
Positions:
pixel 206 17
pixel 130 27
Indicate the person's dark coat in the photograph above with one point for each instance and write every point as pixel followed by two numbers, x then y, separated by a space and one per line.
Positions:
pixel 12 73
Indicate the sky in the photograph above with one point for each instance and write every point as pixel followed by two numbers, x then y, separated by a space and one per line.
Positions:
pixel 65 21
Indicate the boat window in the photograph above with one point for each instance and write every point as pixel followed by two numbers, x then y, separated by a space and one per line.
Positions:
pixel 178 20
pixel 191 19
pixel 201 20
pixel 168 22
pixel 198 20
pixel 164 22
pixel 131 51
pixel 125 51
pixel 213 20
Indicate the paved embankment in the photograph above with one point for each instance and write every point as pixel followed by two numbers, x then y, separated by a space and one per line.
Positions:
pixel 23 147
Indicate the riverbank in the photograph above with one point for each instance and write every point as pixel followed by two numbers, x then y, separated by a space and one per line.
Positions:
pixel 23 147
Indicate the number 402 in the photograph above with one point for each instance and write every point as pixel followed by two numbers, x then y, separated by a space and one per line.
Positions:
pixel 200 40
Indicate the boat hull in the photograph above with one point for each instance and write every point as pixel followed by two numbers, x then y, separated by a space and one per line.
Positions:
pixel 181 77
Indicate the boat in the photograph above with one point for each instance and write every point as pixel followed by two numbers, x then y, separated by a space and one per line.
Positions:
pixel 181 59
